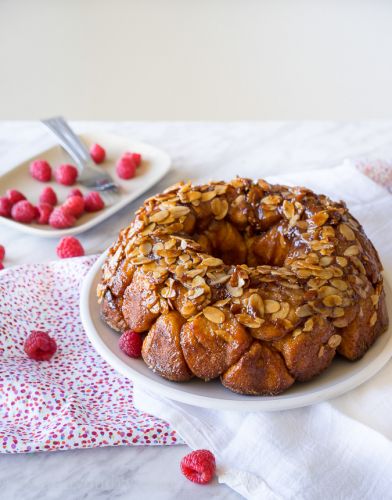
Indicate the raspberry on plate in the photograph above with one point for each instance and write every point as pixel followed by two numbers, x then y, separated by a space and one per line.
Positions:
pixel 48 196
pixel 41 170
pixel 136 157
pixel 74 205
pixel 69 246
pixel 5 207
pixel 93 202
pixel 97 153
pixel 126 167
pixel 131 343
pixel 14 196
pixel 2 253
pixel 199 466
pixel 74 192
pixel 44 211
pixel 66 174
pixel 40 346
pixel 24 211
pixel 61 219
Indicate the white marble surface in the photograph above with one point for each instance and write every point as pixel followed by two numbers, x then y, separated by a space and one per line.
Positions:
pixel 199 151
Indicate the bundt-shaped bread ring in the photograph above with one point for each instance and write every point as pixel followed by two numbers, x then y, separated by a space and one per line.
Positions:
pixel 255 283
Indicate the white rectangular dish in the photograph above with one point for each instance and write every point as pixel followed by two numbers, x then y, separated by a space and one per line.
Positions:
pixel 155 165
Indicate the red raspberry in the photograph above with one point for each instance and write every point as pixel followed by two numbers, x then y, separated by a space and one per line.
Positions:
pixel 60 219
pixel 126 167
pixel 131 343
pixel 44 211
pixel 2 253
pixel 5 207
pixel 41 170
pixel 75 192
pixel 69 247
pixel 97 153
pixel 66 174
pixel 48 196
pixel 199 466
pixel 14 196
pixel 40 346
pixel 74 205
pixel 136 157
pixel 93 202
pixel 24 211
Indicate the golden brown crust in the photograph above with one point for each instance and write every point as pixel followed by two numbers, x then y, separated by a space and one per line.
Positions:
pixel 251 260
pixel 162 351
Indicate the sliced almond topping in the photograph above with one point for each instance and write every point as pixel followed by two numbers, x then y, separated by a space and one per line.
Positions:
pixel 213 314
pixel 168 293
pixel 340 322
pixel 188 309
pixel 303 311
pixel 352 250
pixel 271 200
pixel 326 260
pixel 195 293
pixel 179 211
pixel 148 229
pixel 332 300
pixel 338 312
pixel 159 216
pixel 256 304
pixel 334 341
pixel 308 326
pixel 324 291
pixel 283 311
pixel 234 291
pixel 194 195
pixel 248 321
pixel 346 232
pixel 219 208
pixel 221 303
pixel 208 196
pixel 296 333
pixel 373 319
pixel 375 298
pixel 145 248
pixel 288 209
pixel 320 218
pixel 212 262
pixel 271 306
pixel 339 284
pixel 321 351
pixel 341 261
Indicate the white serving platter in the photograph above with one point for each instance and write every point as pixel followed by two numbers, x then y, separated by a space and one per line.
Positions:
pixel 341 377
pixel 155 165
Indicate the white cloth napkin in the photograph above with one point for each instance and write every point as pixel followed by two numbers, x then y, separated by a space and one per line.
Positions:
pixel 338 449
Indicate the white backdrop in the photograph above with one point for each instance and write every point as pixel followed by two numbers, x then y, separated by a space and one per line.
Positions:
pixel 195 59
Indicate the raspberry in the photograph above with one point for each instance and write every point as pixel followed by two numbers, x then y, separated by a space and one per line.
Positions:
pixel 126 167
pixel 75 192
pixel 136 157
pixel 14 196
pixel 66 174
pixel 24 211
pixel 97 153
pixel 41 170
pixel 5 207
pixel 69 247
pixel 131 343
pixel 74 205
pixel 60 219
pixel 199 466
pixel 2 253
pixel 40 346
pixel 44 211
pixel 48 196
pixel 93 202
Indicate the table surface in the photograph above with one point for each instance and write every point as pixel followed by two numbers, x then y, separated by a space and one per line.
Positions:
pixel 199 151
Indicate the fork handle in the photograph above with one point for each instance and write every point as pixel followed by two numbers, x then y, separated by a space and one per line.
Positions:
pixel 68 140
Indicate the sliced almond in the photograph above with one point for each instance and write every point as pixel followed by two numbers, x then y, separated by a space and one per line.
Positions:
pixel 334 341
pixel 271 306
pixel 342 261
pixel 283 311
pixel 168 293
pixel 296 333
pixel 373 319
pixel 271 200
pixel 339 284
pixel 256 304
pixel 288 209
pixel 321 351
pixel 212 262
pixel 308 326
pixel 179 211
pixel 159 216
pixel 234 291
pixel 326 261
pixel 320 218
pixel 248 321
pixel 375 298
pixel 214 314
pixel 346 232
pixel 351 250
pixel 303 311
pixel 196 293
pixel 332 300
pixel 324 291
pixel 219 208
pixel 338 312
pixel 340 322
pixel 208 195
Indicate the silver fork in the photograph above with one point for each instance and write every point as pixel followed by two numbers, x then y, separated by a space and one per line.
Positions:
pixel 89 175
